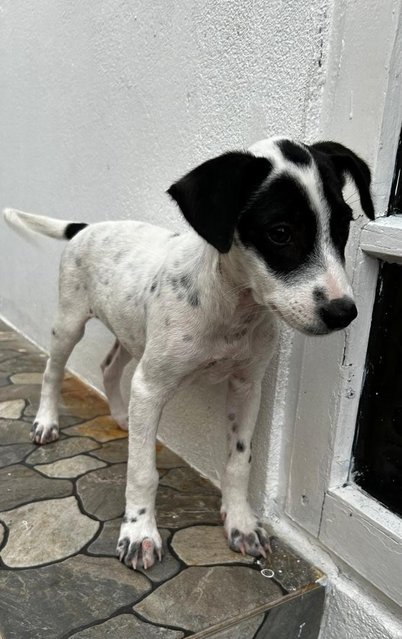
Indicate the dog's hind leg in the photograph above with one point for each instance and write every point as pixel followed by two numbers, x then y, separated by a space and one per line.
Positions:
pixel 112 366
pixel 66 333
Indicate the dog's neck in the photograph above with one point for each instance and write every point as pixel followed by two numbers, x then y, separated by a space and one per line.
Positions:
pixel 221 277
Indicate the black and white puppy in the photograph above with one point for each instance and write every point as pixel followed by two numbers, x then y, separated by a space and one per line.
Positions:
pixel 270 228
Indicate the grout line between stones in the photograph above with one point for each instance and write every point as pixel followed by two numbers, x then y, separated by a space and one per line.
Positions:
pixel 124 610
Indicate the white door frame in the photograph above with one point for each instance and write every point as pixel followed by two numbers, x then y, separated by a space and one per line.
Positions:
pixel 362 107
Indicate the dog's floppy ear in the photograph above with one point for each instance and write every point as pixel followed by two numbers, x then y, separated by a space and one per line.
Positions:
pixel 345 162
pixel 212 196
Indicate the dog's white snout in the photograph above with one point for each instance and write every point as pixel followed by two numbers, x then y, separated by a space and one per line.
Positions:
pixel 336 286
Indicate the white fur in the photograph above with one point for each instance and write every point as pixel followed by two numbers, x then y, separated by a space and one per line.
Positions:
pixel 25 222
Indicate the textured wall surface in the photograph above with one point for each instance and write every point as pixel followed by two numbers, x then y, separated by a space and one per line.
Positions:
pixel 104 104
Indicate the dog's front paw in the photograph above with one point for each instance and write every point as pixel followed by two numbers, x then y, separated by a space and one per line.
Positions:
pixel 245 533
pixel 139 543
pixel 43 432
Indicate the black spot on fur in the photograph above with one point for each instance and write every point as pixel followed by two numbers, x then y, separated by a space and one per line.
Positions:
pixel 294 152
pixel 235 428
pixel 193 299
pixel 73 228
pixel 240 446
pixel 108 360
pixel 125 519
pixel 153 286
pixel 238 335
pixel 185 281
pixel 133 520
pixel 142 511
pixel 249 460
pixel 53 332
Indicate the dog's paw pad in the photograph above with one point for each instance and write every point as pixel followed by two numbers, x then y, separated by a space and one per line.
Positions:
pixel 137 549
pixel 44 433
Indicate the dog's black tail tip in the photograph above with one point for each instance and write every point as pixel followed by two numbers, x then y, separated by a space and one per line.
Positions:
pixel 73 228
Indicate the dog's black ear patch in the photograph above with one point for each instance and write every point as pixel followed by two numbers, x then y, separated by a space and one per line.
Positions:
pixel 212 196
pixel 345 162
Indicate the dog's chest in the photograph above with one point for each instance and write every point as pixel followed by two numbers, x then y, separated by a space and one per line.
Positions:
pixel 231 343
pixel 231 346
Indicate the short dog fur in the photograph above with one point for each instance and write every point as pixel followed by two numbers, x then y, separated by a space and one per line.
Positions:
pixel 270 226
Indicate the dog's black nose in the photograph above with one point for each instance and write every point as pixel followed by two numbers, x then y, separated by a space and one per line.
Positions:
pixel 338 313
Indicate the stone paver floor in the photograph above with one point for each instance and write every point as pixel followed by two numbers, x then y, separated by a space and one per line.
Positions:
pixel 60 512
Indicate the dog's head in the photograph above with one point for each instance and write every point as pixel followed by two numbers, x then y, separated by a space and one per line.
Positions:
pixel 280 208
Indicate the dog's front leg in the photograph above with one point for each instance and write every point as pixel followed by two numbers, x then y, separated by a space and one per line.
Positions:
pixel 140 542
pixel 245 534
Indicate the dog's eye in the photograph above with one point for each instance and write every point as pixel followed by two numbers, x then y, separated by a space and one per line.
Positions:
pixel 280 234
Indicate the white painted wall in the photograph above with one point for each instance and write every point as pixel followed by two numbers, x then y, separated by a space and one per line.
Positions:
pixel 104 104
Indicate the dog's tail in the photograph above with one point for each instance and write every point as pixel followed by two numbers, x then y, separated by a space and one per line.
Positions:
pixel 26 222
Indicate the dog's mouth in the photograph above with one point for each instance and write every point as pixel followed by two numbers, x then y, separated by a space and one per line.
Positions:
pixel 310 328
